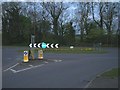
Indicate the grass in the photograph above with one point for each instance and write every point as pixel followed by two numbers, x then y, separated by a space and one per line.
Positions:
pixel 75 50
pixel 112 73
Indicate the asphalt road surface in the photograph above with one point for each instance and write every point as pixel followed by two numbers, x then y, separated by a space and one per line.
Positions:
pixel 56 70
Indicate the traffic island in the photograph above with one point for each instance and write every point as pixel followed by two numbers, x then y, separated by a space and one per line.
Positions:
pixel 31 63
pixel 23 66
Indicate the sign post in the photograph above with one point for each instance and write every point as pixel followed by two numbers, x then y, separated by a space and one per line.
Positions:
pixel 32 42
pixel 32 39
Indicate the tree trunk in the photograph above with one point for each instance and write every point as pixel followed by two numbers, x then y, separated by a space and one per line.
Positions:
pixel 55 26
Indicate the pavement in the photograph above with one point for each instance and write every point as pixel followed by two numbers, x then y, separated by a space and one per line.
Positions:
pixel 56 70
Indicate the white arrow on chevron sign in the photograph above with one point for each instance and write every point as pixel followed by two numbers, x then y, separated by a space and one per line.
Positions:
pixel 47 45
pixel 30 45
pixel 52 45
pixel 39 45
pixel 56 45
pixel 35 45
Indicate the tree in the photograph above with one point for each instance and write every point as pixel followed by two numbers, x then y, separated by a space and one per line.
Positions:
pixel 118 30
pixel 55 9
pixel 40 24
pixel 69 34
pixel 109 14
pixel 11 13
pixel 84 10
pixel 100 10
pixel 43 30
pixel 15 25
pixel 96 34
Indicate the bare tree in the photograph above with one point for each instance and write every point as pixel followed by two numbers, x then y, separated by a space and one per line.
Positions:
pixel 100 10
pixel 84 10
pixel 118 20
pixel 118 31
pixel 55 9
pixel 109 14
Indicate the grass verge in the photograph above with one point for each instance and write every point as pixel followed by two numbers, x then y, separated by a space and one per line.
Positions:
pixel 112 73
pixel 76 50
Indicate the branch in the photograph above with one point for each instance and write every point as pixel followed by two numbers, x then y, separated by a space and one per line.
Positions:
pixel 93 15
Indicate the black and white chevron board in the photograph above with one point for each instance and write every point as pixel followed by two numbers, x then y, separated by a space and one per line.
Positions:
pixel 43 45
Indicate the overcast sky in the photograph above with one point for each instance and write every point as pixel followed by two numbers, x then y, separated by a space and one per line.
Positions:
pixel 60 0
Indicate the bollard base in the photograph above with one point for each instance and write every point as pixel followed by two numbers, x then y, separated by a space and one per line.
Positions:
pixel 25 61
pixel 40 58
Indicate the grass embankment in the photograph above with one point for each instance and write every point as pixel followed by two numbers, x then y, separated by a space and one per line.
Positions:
pixel 112 73
pixel 75 50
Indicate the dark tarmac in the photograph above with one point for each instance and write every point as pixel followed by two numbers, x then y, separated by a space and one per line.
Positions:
pixel 56 70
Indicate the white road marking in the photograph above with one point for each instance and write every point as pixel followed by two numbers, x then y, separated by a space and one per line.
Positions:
pixel 27 68
pixel 31 65
pixel 57 60
pixel 60 60
pixel 14 71
pixel 46 62
pixel 11 67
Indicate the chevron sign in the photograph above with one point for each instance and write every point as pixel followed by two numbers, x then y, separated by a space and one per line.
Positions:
pixel 44 45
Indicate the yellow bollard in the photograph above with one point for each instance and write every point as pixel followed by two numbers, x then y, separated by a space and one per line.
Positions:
pixel 25 56
pixel 40 54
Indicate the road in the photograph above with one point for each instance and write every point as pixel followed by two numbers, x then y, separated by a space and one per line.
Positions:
pixel 73 71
